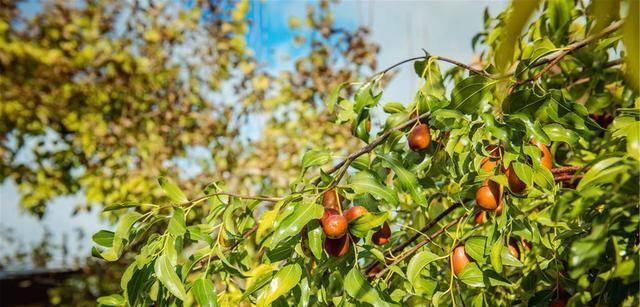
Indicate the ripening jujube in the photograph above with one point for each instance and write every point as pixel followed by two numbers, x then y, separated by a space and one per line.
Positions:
pixel 488 195
pixel 513 249
pixel 337 247
pixel 515 184
pixel 330 199
pixel 333 224
pixel 459 259
pixel 419 137
pixel 382 236
pixel 355 212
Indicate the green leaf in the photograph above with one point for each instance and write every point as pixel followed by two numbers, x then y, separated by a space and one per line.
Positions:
pixel 524 172
pixel 358 288
pixel 558 133
pixel 472 275
pixel 434 84
pixel 543 177
pixel 408 180
pixel 630 38
pixel 517 18
pixel 332 99
pixel 287 278
pixel 315 239
pixel 469 93
pixel 418 263
pixel 177 224
pixel 117 206
pixel 121 236
pixel 205 292
pixel 522 101
pixel 477 247
pixel 393 107
pixel 533 128
pixel 111 300
pixel 496 255
pixel 259 281
pixel 103 238
pixel 602 172
pixel 172 190
pixel 292 224
pixel 509 259
pixel 315 158
pixel 366 182
pixel 558 109
pixel 361 225
pixel 168 277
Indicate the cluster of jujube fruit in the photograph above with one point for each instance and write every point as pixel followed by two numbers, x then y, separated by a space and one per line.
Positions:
pixel 336 225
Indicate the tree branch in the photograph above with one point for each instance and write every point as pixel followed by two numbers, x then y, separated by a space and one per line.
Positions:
pixel 565 169
pixel 555 57
pixel 416 248
pixel 346 162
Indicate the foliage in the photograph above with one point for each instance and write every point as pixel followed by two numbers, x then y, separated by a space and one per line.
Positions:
pixel 99 99
pixel 571 235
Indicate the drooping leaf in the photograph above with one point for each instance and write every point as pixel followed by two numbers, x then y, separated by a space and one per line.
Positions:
pixel 469 93
pixel 359 288
pixel 315 158
pixel 205 292
pixel 172 190
pixel 408 180
pixel 111 300
pixel 418 263
pixel 472 275
pixel 287 278
pixel 177 223
pixel 103 238
pixel 366 182
pixel 302 214
pixel 361 225
pixel 168 277
pixel 519 14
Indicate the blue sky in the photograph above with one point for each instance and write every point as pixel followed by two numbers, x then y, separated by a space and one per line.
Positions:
pixel 401 28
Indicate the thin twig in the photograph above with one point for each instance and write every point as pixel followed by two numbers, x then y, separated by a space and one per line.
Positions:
pixel 567 177
pixel 417 247
pixel 565 169
pixel 366 149
pixel 424 229
pixel 260 198
pixel 462 65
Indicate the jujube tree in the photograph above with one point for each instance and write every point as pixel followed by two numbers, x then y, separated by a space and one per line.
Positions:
pixel 505 182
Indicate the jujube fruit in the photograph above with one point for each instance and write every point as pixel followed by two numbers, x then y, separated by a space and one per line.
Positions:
pixel 488 195
pixel 355 212
pixel 333 224
pixel 559 302
pixel 488 164
pixel 337 247
pixel 330 199
pixel 480 217
pixel 382 236
pixel 420 137
pixel 526 244
pixel 515 184
pixel 513 249
pixel 546 159
pixel 459 259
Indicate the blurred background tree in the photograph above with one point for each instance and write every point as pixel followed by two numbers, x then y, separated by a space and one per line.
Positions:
pixel 104 96
pixel 108 95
